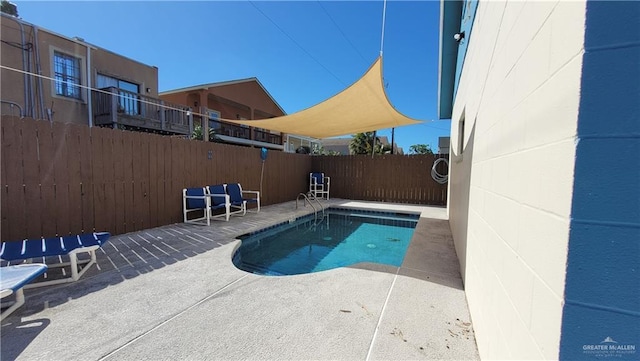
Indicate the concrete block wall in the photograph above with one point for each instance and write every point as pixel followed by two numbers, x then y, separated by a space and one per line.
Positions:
pixel 601 316
pixel 519 94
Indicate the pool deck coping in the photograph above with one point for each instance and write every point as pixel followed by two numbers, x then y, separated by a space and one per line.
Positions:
pixel 172 292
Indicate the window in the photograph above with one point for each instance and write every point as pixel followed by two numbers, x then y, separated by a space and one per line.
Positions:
pixel 214 120
pixel 214 115
pixel 67 75
pixel 461 134
pixel 128 100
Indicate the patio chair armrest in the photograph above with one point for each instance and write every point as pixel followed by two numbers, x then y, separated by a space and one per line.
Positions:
pixel 257 193
pixel 195 197
pixel 227 199
pixel 217 195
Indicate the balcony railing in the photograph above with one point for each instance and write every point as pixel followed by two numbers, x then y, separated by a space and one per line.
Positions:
pixel 231 130
pixel 266 136
pixel 114 107
pixel 244 132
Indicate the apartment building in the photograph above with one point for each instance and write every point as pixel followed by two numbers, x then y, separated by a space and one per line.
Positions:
pixel 50 76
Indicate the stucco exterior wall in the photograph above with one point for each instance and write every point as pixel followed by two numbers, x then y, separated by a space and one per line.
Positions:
pixel 519 95
pixel 62 109
pixel 246 99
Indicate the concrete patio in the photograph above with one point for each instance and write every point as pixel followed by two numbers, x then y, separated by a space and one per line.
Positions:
pixel 173 293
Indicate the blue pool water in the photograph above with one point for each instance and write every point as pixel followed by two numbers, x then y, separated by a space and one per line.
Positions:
pixel 341 238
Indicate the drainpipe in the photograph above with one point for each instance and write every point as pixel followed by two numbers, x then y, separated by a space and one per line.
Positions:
pixel 31 107
pixel 25 76
pixel 80 41
pixel 36 48
pixel 90 89
pixel 12 104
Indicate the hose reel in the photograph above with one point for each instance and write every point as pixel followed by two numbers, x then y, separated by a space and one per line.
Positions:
pixel 440 178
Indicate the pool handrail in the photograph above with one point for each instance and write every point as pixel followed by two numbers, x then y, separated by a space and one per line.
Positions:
pixel 315 211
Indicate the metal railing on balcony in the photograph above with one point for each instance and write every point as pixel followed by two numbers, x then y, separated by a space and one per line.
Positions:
pixel 266 136
pixel 244 132
pixel 228 129
pixel 117 107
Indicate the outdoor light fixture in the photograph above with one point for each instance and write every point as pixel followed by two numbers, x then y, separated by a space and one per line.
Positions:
pixel 458 36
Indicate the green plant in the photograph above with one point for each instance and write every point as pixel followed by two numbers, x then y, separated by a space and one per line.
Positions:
pixel 362 143
pixel 420 149
pixel 9 8
pixel 317 149
pixel 197 134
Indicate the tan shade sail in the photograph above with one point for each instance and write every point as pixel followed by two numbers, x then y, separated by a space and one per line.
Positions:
pixel 362 107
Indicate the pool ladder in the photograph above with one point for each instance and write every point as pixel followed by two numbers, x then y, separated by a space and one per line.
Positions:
pixel 315 211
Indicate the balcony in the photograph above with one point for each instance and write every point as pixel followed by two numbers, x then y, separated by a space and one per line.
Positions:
pixel 117 108
pixel 239 134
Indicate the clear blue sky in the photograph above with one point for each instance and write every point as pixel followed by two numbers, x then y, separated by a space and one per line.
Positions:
pixel 303 52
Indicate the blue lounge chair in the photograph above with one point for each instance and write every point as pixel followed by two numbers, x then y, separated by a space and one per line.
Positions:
pixel 196 200
pixel 238 199
pixel 219 200
pixel 70 246
pixel 319 185
pixel 12 281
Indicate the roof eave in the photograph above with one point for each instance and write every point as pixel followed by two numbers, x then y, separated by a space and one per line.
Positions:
pixel 450 16
pixel 222 83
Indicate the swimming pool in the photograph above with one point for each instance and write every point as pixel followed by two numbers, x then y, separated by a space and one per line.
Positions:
pixel 342 238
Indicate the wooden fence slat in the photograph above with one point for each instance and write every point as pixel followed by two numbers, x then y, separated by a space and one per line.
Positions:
pixel 13 203
pixel 177 183
pixel 153 183
pixel 119 164
pixel 110 162
pixel 72 142
pixel 164 163
pixel 86 175
pixel 61 179
pixel 46 178
pixel 98 138
pixel 145 182
pixel 126 157
pixel 31 181
pixel 98 179
pixel 4 206
pixel 140 150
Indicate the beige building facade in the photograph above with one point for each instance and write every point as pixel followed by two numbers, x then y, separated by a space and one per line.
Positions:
pixel 544 204
pixel 69 67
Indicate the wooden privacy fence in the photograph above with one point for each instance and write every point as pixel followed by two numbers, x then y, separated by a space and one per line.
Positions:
pixel 386 178
pixel 61 179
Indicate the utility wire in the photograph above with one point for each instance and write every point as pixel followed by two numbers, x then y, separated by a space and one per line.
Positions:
pixel 28 46
pixel 384 16
pixel 339 29
pixel 140 100
pixel 431 126
pixel 295 42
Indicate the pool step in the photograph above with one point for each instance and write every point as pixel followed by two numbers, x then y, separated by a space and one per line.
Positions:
pixel 258 269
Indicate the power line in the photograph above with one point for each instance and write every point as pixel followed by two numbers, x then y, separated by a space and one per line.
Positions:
pixel 431 126
pixel 295 42
pixel 142 101
pixel 339 29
